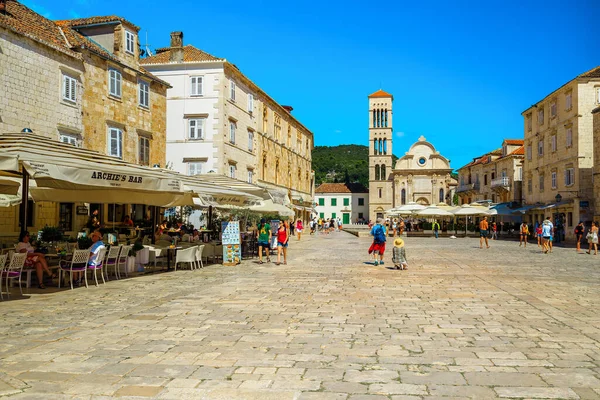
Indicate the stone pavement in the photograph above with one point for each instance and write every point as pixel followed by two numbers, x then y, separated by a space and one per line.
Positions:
pixel 461 323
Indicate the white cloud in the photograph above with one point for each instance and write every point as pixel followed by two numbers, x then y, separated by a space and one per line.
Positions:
pixel 399 134
pixel 337 131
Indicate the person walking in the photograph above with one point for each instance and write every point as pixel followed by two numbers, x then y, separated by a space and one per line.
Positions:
pixel 546 235
pixel 494 231
pixel 549 221
pixel 282 243
pixel 579 234
pixel 299 228
pixel 264 240
pixel 538 234
pixel 401 227
pixel 399 254
pixel 436 229
pixel 592 238
pixel 483 233
pixel 378 246
pixel 524 232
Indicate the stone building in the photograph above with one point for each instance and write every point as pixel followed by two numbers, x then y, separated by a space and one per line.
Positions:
pixel 559 152
pixel 422 175
pixel 79 82
pixel 347 201
pixel 219 121
pixel 596 177
pixel 496 176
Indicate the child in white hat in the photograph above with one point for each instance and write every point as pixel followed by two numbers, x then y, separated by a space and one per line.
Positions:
pixel 399 254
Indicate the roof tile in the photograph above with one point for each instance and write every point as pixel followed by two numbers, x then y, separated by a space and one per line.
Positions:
pixel 514 142
pixel 341 188
pixel 592 73
pixel 381 93
pixel 80 22
pixel 190 54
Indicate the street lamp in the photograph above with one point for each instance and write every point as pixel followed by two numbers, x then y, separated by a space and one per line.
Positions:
pixel 558 198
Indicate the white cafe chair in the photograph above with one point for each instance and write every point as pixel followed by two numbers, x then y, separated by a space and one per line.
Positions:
pixel 186 256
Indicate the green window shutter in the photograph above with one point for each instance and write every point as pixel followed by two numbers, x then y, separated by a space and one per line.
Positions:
pixel 332 215
pixel 321 201
pixel 346 202
pixel 321 215
pixel 334 202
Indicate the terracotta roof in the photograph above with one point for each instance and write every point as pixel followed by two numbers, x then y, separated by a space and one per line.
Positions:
pixel 514 142
pixel 592 73
pixel 190 54
pixel 341 188
pixel 80 22
pixel 28 23
pixel 381 93
pixel 518 152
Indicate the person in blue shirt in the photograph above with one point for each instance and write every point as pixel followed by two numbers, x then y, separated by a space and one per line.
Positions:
pixel 546 235
pixel 377 248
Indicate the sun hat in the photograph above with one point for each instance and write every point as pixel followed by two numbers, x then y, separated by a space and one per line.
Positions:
pixel 398 242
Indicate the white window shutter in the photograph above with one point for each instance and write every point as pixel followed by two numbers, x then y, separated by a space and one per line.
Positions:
pixel 73 89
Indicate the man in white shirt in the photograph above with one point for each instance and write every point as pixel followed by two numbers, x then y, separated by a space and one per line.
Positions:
pixel 94 260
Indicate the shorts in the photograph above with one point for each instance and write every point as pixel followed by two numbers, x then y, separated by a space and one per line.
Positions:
pixel 279 244
pixel 483 233
pixel 266 245
pixel 299 230
pixel 377 248
pixel 547 237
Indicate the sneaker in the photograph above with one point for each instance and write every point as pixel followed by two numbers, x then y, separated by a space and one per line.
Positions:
pixel 381 262
pixel 376 263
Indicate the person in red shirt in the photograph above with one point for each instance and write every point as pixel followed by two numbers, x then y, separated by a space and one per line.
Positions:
pixel 299 228
pixel 282 242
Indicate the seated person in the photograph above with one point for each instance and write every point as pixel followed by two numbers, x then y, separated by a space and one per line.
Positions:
pixel 37 260
pixel 195 236
pixel 164 225
pixel 127 221
pixel 97 244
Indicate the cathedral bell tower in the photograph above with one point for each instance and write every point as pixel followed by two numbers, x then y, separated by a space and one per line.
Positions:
pixel 380 154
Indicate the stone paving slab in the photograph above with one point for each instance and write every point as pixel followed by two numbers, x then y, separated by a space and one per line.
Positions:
pixel 461 323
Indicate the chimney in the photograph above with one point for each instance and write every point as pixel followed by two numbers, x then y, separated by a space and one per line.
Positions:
pixel 176 46
pixel 288 108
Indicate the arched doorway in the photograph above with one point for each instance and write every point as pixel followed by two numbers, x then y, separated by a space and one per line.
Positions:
pixel 423 201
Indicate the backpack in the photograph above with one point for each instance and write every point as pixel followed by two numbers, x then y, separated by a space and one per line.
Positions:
pixel 379 234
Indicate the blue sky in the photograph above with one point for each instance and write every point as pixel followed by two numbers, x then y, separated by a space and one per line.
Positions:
pixel 461 72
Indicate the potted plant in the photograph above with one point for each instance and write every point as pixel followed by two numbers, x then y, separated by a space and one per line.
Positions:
pixel 138 255
pixel 51 234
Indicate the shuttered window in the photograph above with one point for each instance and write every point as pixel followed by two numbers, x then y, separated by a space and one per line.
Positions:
pixel 69 91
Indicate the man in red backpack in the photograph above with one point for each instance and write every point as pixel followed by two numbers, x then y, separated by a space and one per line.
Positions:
pixel 379 237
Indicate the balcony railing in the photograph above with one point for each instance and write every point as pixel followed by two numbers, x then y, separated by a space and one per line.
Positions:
pixel 501 182
pixel 468 187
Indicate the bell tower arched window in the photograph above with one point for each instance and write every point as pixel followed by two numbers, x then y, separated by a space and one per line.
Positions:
pixel 384 146
pixel 403 196
pixel 375 146
pixel 377 176
pixel 383 175
pixel 441 195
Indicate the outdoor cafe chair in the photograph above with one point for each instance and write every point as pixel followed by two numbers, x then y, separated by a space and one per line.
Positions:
pixel 122 261
pixel 13 270
pixel 186 256
pixel 3 258
pixel 199 251
pixel 100 266
pixel 155 254
pixel 78 263
pixel 111 259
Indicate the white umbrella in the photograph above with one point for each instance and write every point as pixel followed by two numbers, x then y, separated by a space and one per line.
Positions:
pixel 9 200
pixel 467 209
pixel 433 211
pixel 406 209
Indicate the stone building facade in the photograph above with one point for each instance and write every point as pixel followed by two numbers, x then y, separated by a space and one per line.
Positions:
pixel 559 152
pixel 596 176
pixel 220 121
pixel 58 82
pixel 496 176
pixel 422 175
pixel 347 201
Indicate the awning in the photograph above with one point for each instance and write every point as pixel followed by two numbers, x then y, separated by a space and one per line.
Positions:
pixel 551 205
pixel 63 172
pixel 209 190
pixel 9 200
pixel 524 209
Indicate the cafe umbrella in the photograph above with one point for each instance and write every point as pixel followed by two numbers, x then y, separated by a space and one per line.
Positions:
pixel 468 210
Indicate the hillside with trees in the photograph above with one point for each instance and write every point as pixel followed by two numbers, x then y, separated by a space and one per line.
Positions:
pixel 344 163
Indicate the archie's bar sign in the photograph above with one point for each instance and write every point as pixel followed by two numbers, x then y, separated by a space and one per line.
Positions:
pixel 107 176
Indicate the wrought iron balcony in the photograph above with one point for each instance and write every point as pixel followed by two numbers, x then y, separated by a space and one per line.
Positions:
pixel 468 187
pixel 503 181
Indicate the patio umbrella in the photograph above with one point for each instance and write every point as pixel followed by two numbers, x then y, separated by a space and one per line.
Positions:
pixel 433 211
pixel 406 209
pixel 469 210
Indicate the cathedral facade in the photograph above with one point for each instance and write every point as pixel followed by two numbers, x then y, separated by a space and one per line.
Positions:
pixel 421 175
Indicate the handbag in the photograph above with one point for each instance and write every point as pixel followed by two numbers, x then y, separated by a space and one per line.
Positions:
pixel 589 236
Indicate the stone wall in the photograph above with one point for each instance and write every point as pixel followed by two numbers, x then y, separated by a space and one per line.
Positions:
pixel 31 81
pixel 100 110
pixel 596 176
